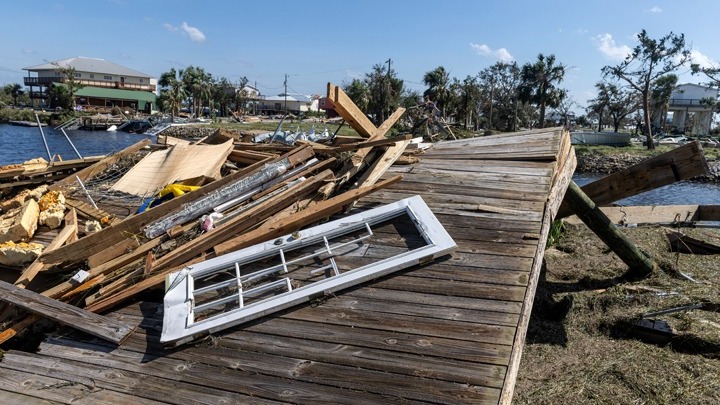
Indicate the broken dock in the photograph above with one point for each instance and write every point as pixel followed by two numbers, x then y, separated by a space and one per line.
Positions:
pixel 447 331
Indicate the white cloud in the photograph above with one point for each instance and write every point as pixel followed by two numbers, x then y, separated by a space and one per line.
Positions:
pixel 29 51
pixel 607 46
pixel 354 74
pixel 193 33
pixel 701 59
pixel 501 54
pixel 655 9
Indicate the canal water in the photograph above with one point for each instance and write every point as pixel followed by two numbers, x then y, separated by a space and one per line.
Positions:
pixel 18 144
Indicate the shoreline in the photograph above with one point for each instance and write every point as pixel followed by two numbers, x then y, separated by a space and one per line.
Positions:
pixel 593 160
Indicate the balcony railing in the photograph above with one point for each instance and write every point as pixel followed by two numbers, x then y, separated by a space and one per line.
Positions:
pixel 46 81
pixel 689 102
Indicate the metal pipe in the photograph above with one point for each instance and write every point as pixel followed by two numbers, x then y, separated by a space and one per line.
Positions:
pixel 43 138
pixel 86 192
pixel 71 144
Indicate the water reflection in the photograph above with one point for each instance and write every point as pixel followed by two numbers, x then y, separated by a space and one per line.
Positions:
pixel 18 144
pixel 680 193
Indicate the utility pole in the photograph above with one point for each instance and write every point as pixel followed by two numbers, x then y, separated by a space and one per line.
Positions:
pixel 286 77
pixel 387 93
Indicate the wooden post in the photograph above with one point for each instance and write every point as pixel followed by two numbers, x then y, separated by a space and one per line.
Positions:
pixel 639 264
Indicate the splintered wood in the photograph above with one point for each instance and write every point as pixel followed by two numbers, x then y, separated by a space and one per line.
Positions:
pixel 104 269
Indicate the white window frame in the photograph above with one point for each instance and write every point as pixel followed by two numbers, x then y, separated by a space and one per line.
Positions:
pixel 178 320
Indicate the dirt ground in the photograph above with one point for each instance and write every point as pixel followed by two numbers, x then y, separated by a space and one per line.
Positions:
pixel 582 347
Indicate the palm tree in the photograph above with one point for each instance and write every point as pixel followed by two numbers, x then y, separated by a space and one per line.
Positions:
pixel 538 84
pixel 15 91
pixel 195 79
pixel 437 81
pixel 173 90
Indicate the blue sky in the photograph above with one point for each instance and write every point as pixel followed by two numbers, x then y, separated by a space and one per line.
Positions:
pixel 319 41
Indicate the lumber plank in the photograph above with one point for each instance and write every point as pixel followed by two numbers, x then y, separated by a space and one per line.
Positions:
pixel 303 218
pixel 381 164
pixel 66 314
pixel 37 265
pixel 649 214
pixel 130 226
pixel 113 251
pixel 135 381
pixel 347 109
pixel 176 258
pixel 557 192
pixel 681 163
pixel 100 165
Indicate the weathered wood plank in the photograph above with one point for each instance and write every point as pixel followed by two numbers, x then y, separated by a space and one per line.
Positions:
pixel 681 163
pixel 137 384
pixel 561 179
pixel 130 226
pixel 72 316
pixel 656 214
pixel 31 388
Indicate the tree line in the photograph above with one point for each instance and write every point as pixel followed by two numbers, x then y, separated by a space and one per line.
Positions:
pixel 502 97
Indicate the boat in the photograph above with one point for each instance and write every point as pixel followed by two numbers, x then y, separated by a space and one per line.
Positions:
pixel 600 138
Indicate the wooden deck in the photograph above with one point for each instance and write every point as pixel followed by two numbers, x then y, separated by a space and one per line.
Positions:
pixel 448 332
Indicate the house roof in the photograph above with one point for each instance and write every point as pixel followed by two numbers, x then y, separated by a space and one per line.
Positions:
pixel 83 64
pixel 290 97
pixel 118 94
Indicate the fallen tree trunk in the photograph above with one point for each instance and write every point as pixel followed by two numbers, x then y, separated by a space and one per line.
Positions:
pixel 639 264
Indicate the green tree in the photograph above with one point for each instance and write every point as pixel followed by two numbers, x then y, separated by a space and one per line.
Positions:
pixel 648 61
pixel 64 98
pixel 499 87
pixel 195 80
pixel 660 93
pixel 14 91
pixel 241 94
pixel 438 92
pixel 172 92
pixel 467 97
pixel 712 73
pixel 598 105
pixel 539 82
pixel 359 93
pixel 385 91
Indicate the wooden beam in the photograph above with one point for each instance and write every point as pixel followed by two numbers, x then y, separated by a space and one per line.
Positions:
pixel 347 109
pixel 318 212
pixel 681 163
pixel 380 165
pixel 650 214
pixel 241 223
pixel 102 327
pixel 131 226
pixel 639 264
pixel 118 249
pixel 101 165
pixel 303 218
pixel 377 142
pixel 37 266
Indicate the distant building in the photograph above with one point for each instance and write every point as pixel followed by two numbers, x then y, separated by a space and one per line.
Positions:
pixel 291 103
pixel 105 84
pixel 326 104
pixel 690 115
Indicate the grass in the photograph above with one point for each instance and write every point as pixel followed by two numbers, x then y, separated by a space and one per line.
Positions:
pixel 592 354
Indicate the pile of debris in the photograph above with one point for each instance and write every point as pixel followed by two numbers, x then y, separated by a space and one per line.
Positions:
pixel 124 224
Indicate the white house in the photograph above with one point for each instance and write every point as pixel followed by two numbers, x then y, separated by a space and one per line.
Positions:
pixel 105 84
pixel 293 103
pixel 689 113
